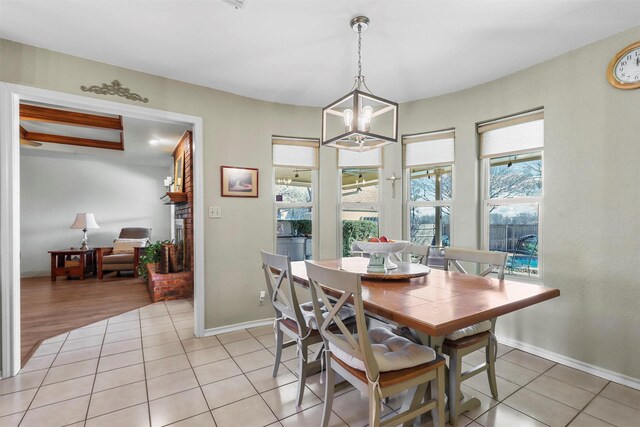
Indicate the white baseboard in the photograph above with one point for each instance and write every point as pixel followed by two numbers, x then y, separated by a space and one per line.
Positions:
pixel 237 327
pixel 573 363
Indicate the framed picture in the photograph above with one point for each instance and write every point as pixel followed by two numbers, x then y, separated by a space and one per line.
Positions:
pixel 178 174
pixel 238 182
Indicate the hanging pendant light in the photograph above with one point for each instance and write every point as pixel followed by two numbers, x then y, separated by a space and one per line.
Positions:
pixel 360 121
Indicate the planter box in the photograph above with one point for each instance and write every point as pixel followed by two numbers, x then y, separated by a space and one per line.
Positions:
pixel 170 286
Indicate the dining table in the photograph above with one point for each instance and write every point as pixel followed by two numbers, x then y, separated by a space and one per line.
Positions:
pixel 433 302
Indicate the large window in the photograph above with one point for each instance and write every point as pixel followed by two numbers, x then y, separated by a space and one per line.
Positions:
pixel 428 161
pixel 359 196
pixel 295 164
pixel 511 152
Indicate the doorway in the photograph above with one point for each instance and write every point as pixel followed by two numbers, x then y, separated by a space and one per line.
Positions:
pixel 10 186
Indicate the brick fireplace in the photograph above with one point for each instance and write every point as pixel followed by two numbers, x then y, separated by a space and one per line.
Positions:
pixel 179 284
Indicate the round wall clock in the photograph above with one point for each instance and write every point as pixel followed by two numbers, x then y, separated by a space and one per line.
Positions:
pixel 623 71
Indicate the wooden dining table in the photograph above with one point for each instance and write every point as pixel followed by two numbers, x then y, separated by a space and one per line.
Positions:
pixel 437 303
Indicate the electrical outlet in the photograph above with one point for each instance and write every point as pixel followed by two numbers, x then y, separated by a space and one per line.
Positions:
pixel 262 298
pixel 215 212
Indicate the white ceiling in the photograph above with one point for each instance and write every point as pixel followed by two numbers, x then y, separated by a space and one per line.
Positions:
pixel 304 52
pixel 138 134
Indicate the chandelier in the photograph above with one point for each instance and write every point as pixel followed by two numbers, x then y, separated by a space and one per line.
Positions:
pixel 359 121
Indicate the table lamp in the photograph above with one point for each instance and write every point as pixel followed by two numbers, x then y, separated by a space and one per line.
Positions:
pixel 84 221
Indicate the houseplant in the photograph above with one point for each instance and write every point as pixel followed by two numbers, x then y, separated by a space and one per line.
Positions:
pixel 150 255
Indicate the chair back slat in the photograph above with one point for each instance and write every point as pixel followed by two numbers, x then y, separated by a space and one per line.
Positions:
pixel 349 284
pixel 494 259
pixel 282 293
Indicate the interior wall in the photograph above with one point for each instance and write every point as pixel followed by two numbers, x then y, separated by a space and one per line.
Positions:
pixel 591 210
pixel 591 201
pixel 54 189
pixel 237 131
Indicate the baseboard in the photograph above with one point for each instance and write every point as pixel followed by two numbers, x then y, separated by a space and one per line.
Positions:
pixel 573 363
pixel 238 326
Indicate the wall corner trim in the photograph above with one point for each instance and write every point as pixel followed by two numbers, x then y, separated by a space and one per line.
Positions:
pixel 573 363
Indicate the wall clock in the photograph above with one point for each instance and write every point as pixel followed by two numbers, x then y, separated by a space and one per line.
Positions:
pixel 623 71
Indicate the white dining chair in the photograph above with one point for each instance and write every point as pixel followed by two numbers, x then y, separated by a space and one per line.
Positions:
pixel 396 365
pixel 418 254
pixel 296 321
pixel 480 335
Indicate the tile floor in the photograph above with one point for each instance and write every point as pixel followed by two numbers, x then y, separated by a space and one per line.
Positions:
pixel 145 368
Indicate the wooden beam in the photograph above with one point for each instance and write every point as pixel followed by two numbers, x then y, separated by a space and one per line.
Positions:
pixel 51 115
pixel 23 133
pixel 69 140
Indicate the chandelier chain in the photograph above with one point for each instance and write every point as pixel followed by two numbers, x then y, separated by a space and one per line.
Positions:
pixel 359 50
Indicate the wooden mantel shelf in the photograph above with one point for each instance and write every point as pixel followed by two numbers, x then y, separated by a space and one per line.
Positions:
pixel 176 197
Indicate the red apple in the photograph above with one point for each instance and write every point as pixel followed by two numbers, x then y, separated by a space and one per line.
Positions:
pixel 374 239
pixel 384 239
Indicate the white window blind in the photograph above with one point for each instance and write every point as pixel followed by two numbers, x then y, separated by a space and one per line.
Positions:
pixel 297 153
pixel 433 149
pixel 512 136
pixel 348 158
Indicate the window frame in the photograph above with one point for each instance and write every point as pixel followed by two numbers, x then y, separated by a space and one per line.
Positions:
pixel 340 205
pixel 315 247
pixel 487 202
pixel 406 194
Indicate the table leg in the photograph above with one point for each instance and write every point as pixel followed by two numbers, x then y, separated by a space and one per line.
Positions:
pixel 53 267
pixel 82 265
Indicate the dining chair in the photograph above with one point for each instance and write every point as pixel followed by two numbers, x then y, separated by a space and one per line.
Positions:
pixel 419 254
pixel 296 321
pixel 480 335
pixel 397 364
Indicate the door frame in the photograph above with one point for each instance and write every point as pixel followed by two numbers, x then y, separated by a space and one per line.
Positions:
pixel 10 97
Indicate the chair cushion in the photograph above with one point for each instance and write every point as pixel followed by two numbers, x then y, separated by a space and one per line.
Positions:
pixel 125 246
pixel 118 259
pixel 392 352
pixel 310 318
pixel 469 330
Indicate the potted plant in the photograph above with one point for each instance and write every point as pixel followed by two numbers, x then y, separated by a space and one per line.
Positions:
pixel 150 255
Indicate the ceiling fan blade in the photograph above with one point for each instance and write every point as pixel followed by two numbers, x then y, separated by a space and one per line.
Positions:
pixel 30 143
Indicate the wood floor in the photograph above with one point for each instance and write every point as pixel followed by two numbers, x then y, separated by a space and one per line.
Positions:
pixel 51 308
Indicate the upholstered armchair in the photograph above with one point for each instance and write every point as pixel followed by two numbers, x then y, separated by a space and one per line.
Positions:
pixel 125 253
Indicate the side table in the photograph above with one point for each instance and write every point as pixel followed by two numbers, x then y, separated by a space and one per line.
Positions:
pixel 72 262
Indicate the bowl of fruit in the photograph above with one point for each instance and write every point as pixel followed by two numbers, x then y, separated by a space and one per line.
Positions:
pixel 385 247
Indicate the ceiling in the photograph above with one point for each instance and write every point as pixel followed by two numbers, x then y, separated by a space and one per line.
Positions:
pixel 303 52
pixel 146 142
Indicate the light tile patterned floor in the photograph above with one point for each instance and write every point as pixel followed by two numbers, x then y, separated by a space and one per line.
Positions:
pixel 145 368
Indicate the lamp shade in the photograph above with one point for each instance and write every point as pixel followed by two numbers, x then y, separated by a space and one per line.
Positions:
pixel 84 221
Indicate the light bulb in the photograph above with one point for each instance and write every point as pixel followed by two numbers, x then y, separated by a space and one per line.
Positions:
pixel 367 114
pixel 348 119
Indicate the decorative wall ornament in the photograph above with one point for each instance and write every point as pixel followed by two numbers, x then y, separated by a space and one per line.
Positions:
pixel 115 88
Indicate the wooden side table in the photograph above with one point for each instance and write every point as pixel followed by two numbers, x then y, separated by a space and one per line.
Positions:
pixel 72 262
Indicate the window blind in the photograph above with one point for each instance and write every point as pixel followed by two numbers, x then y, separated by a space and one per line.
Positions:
pixel 295 152
pixel 348 158
pixel 433 149
pixel 512 136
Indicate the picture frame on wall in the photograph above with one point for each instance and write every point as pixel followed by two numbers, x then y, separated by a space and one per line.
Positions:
pixel 238 181
pixel 178 173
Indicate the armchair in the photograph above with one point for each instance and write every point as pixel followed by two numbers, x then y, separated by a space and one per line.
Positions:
pixel 125 255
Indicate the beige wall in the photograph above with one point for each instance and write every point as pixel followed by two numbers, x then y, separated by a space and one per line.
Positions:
pixel 591 230
pixel 591 205
pixel 237 132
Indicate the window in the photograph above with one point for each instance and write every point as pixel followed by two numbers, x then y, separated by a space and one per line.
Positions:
pixel 428 161
pixel 295 163
pixel 359 196
pixel 512 157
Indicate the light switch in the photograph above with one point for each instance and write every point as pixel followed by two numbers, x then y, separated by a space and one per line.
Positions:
pixel 215 212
